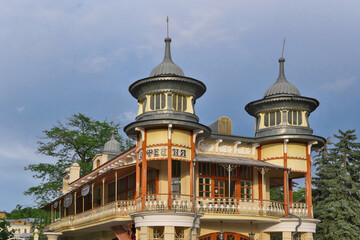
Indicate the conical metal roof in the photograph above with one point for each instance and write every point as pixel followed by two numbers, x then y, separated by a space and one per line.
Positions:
pixel 281 86
pixel 167 67
pixel 112 146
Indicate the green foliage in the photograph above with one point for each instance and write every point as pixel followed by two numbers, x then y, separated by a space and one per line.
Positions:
pixel 337 186
pixel 4 233
pixel 77 140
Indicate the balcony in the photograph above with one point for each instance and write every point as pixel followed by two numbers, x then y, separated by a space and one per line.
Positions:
pixel 118 210
pixel 209 207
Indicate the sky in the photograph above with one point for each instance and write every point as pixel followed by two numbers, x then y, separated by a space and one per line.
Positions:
pixel 58 58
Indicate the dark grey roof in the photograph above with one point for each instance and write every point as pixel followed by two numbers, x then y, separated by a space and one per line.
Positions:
pixel 112 146
pixel 167 67
pixel 281 86
pixel 235 160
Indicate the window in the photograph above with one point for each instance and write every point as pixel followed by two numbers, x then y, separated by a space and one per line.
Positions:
pixel 151 181
pixel 111 192
pixel 157 101
pixel 179 102
pixel 204 187
pixel 205 169
pixel 176 178
pixel 126 188
pixel 221 171
pixel 272 119
pixel 246 189
pixel 246 172
pixel 97 163
pixel 275 236
pixel 295 117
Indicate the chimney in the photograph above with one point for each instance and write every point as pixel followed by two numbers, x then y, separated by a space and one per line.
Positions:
pixel 222 126
pixel 70 175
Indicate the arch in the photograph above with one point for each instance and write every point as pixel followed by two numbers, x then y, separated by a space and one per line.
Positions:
pixel 97 163
pixel 227 236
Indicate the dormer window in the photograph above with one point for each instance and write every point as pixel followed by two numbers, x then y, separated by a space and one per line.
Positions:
pixel 272 119
pixel 179 102
pixel 157 101
pixel 294 117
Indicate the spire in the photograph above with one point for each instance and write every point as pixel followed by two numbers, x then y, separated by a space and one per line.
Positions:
pixel 281 86
pixel 112 146
pixel 167 67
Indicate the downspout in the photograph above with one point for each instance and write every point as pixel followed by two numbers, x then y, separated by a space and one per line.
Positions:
pixel 194 202
pixel 288 207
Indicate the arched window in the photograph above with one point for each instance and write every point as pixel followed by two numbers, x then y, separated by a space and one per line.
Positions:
pixel 179 102
pixel 294 117
pixel 97 163
pixel 272 119
pixel 157 101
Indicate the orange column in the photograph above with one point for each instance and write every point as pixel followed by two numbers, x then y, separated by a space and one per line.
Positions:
pixel 285 183
pixel 260 176
pixel 169 168
pixel 137 193
pixel 308 182
pixel 191 166
pixel 144 174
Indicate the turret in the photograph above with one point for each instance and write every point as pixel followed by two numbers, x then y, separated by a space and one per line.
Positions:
pixel 282 110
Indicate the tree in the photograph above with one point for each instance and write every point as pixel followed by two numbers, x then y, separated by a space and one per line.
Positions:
pixel 77 140
pixel 4 232
pixel 337 188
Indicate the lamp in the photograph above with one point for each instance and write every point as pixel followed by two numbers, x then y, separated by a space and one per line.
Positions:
pixel 221 234
pixel 251 234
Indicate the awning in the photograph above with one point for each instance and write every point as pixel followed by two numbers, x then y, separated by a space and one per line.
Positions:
pixel 235 160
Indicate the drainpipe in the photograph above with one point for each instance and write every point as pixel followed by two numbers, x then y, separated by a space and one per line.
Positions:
pixel 297 226
pixel 194 202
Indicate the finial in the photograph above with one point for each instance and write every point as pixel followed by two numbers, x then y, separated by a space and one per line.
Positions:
pixel 167 26
pixel 282 53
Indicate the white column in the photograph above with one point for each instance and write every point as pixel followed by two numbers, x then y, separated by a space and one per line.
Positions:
pixel 52 235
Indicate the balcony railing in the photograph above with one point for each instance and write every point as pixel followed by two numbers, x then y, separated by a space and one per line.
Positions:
pixel 299 209
pixel 111 210
pixel 179 203
pixel 236 206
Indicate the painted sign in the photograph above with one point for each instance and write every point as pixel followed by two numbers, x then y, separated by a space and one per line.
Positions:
pixel 162 152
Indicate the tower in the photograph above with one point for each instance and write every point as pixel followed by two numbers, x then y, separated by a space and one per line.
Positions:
pixel 284 134
pixel 165 131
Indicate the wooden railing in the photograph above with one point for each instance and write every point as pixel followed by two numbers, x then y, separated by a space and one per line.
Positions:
pixel 238 206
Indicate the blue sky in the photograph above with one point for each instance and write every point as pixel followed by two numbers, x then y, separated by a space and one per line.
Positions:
pixel 58 58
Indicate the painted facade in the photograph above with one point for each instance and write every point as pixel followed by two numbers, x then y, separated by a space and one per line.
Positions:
pixel 184 180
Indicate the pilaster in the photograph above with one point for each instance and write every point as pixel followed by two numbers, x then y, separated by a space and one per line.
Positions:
pixel 143 233
pixel 169 233
pixel 286 236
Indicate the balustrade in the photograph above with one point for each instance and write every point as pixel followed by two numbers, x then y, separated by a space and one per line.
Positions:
pixel 235 206
pixel 299 209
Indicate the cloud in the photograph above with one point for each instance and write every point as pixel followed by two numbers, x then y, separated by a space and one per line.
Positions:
pixel 20 109
pixel 128 117
pixel 340 85
pixel 100 63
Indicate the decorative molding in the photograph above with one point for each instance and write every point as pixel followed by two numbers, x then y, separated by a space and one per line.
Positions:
pixel 217 143
pixel 236 144
pixel 169 131
pixel 142 131
pixel 254 146
pixel 285 145
pixel 196 133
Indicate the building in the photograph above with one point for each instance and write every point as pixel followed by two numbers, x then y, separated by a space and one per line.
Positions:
pixel 22 227
pixel 185 180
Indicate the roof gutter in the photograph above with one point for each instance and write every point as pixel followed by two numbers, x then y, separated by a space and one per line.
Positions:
pixel 194 202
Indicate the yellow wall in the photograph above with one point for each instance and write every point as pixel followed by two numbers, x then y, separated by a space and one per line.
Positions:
pixel 296 150
pixel 157 136
pixel 297 164
pixel 279 162
pixel 272 150
pixel 181 137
